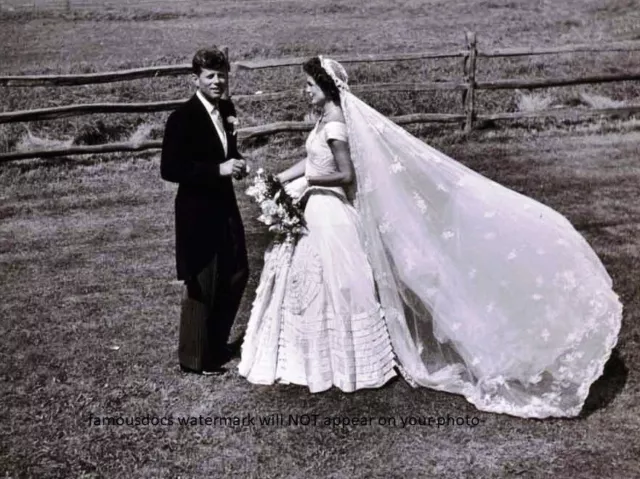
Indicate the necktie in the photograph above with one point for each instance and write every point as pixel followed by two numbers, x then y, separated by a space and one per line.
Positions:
pixel 217 121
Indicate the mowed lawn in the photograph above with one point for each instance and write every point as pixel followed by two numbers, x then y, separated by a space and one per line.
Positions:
pixel 90 323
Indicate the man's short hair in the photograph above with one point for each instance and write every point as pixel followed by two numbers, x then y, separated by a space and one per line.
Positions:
pixel 211 59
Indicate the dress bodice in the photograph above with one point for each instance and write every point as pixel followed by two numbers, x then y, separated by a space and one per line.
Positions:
pixel 320 159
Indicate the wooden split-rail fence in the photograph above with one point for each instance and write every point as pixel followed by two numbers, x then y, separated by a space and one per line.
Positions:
pixel 468 85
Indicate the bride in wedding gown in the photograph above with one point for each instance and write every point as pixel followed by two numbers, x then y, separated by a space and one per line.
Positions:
pixel 417 264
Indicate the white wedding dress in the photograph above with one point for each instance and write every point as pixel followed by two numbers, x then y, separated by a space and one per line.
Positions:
pixel 315 319
pixel 485 292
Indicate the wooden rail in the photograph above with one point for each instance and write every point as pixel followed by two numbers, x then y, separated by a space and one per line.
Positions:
pixel 465 86
pixel 393 57
pixel 94 78
pixel 293 127
pixel 175 70
pixel 576 48
pixel 556 82
pixel 563 112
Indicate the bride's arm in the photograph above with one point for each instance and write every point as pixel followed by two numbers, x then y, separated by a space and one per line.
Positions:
pixel 345 174
pixel 296 171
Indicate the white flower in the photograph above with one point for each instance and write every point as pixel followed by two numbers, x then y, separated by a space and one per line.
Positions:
pixel 385 226
pixel 571 357
pixel 269 207
pixel 267 220
pixel 396 166
pixel 573 337
pixel 448 234
pixel 512 255
pixel 420 203
pixel 536 379
pixel 545 334
pixel 568 280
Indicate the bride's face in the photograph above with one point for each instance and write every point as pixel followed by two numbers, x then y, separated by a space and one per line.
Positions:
pixel 316 95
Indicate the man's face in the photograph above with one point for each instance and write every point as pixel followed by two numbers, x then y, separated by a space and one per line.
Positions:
pixel 211 83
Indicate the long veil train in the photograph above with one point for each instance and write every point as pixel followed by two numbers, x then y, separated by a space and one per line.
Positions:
pixel 487 293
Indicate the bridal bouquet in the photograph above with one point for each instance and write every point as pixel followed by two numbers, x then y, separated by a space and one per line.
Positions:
pixel 279 211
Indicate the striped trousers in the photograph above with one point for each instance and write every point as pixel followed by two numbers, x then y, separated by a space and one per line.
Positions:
pixel 209 305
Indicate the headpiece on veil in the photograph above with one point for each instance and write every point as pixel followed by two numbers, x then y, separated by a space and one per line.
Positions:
pixel 336 71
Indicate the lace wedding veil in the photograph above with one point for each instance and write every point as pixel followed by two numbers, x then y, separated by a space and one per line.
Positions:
pixel 486 292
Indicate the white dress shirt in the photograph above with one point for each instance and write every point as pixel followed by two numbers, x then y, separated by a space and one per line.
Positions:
pixel 214 114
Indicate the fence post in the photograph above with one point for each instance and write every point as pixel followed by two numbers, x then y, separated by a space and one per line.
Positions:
pixel 470 79
pixel 227 92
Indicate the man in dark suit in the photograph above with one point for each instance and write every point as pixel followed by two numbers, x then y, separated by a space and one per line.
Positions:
pixel 200 153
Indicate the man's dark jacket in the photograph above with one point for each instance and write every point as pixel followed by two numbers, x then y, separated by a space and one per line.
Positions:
pixel 207 220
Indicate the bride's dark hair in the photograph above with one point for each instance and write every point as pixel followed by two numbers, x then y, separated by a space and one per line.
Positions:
pixel 313 68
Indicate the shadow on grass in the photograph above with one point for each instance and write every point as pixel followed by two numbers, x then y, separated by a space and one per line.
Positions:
pixel 597 225
pixel 607 387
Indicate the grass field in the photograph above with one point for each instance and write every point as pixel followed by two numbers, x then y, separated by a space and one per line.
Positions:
pixel 87 264
pixel 89 310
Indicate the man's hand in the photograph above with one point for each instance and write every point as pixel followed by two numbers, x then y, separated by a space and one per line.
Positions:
pixel 244 172
pixel 233 167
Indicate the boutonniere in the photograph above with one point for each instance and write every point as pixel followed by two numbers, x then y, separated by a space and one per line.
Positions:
pixel 233 123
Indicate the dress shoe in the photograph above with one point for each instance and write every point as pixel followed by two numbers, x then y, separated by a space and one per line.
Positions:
pixel 217 371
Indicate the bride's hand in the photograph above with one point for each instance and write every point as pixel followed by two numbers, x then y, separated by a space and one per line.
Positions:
pixel 297 187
